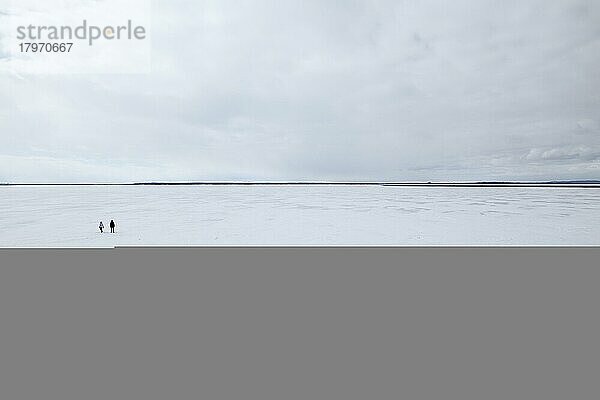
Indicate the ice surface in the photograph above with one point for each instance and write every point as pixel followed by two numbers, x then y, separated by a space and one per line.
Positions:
pixel 68 216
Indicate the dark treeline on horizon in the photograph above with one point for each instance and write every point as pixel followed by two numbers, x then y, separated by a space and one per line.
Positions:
pixel 567 183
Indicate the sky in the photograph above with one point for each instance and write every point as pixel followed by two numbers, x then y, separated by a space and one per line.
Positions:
pixel 349 90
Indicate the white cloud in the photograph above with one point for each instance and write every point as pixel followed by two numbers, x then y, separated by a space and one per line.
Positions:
pixel 328 90
pixel 566 153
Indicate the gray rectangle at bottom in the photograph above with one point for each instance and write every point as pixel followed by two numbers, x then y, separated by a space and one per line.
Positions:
pixel 310 323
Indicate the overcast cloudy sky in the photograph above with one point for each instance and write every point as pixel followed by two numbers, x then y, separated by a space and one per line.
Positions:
pixel 323 90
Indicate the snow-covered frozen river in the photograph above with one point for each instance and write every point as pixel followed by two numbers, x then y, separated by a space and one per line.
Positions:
pixel 68 216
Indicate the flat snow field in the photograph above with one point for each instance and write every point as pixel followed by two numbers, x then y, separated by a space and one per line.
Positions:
pixel 68 216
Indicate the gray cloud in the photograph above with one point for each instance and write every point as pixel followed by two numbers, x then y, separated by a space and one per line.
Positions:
pixel 568 153
pixel 310 89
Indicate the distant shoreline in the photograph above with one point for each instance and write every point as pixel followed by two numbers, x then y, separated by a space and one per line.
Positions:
pixel 491 184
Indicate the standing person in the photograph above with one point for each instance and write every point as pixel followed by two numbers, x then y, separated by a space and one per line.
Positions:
pixel 112 226
pixel 101 227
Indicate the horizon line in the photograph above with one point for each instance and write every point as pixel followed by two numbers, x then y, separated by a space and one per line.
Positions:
pixel 587 183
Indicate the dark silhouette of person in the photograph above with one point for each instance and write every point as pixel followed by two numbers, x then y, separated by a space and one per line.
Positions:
pixel 101 227
pixel 112 226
